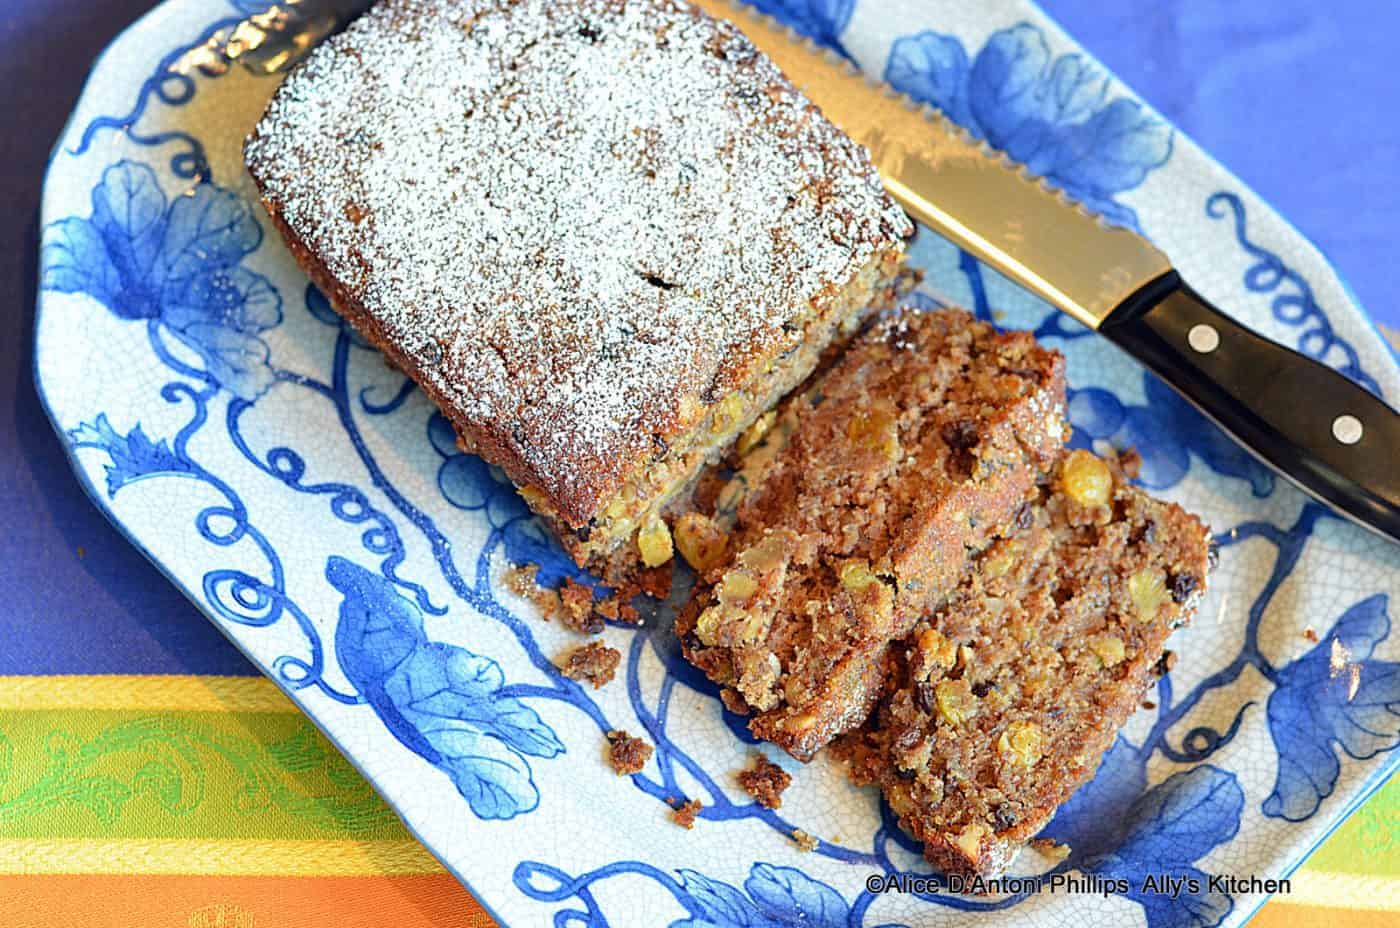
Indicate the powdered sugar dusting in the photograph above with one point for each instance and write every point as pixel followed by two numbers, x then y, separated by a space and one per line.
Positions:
pixel 573 214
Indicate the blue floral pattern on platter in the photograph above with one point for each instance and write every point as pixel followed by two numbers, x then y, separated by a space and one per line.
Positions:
pixel 1335 694
pixel 1054 114
pixel 316 507
pixel 822 21
pixel 443 702
pixel 175 263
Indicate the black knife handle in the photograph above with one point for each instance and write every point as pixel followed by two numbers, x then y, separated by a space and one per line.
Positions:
pixel 1329 436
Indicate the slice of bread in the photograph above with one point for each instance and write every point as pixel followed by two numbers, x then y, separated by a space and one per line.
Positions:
pixel 860 511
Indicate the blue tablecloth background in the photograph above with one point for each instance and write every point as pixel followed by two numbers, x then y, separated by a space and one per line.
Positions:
pixel 1301 99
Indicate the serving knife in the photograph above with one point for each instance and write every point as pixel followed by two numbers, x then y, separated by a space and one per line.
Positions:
pixel 1330 437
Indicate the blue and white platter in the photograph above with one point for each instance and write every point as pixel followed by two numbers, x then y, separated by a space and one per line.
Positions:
pixel 314 505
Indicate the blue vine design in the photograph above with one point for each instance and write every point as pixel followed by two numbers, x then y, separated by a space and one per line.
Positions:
pixel 1269 274
pixel 171 86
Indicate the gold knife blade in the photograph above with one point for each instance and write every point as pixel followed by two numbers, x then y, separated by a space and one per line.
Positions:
pixel 960 187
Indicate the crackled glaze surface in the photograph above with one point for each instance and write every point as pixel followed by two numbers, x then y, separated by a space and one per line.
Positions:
pixel 316 508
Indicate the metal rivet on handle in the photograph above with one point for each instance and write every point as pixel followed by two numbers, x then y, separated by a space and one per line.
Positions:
pixel 1347 429
pixel 1203 338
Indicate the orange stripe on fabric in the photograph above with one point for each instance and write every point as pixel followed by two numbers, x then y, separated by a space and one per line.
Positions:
pixel 433 901
pixel 427 901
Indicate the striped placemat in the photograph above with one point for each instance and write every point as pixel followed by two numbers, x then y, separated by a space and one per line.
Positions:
pixel 211 801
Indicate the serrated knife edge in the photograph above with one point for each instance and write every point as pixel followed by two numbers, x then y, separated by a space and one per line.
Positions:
pixel 959 186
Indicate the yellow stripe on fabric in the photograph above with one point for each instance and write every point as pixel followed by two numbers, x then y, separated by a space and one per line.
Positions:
pixel 218 858
pixel 146 693
pixel 1276 915
pixel 1343 891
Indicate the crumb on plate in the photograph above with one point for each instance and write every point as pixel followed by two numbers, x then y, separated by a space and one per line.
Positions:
pixel 594 662
pixel 685 814
pixel 628 755
pixel 765 782
pixel 1050 849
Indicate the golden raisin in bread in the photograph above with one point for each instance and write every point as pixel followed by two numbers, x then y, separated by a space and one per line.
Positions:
pixel 603 235
pixel 1005 700
pixel 858 509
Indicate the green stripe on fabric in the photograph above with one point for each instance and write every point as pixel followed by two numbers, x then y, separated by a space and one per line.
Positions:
pixel 142 774
pixel 1368 843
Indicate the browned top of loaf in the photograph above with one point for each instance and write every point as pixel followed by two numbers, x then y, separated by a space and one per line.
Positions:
pixel 575 219
pixel 1007 698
